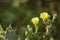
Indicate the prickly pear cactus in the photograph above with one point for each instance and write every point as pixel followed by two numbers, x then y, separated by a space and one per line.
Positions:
pixel 1 37
pixel 10 34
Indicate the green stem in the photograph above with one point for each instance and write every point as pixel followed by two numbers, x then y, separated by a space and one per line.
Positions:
pixel 36 29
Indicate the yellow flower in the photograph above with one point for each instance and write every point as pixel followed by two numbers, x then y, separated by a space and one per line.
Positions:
pixel 44 16
pixel 35 20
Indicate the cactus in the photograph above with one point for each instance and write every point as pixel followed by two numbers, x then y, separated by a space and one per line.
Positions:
pixel 10 34
pixel 2 37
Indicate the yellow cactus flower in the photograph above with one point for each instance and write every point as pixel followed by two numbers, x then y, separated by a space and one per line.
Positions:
pixel 44 16
pixel 35 20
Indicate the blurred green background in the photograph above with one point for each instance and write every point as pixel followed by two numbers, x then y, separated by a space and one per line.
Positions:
pixel 18 13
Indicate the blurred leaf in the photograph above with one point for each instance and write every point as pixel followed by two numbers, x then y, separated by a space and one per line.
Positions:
pixel 16 3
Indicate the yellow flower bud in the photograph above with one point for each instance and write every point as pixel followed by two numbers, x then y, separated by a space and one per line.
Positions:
pixel 26 33
pixel 1 29
pixel 44 16
pixel 43 36
pixel 35 20
pixel 51 38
